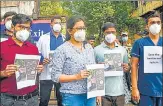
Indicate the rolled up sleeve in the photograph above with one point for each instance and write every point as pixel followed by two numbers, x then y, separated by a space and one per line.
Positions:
pixel 135 52
pixel 57 64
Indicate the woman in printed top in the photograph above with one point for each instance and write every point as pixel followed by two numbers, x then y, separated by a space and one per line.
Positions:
pixel 69 65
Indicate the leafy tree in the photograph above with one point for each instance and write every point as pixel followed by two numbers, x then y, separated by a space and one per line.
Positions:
pixel 93 11
pixel 96 13
pixel 51 8
pixel 123 19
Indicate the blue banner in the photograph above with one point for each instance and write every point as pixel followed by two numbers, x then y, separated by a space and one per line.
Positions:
pixel 38 28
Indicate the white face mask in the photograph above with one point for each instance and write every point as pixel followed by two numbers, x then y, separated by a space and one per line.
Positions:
pixel 56 27
pixel 80 35
pixel 110 38
pixel 22 35
pixel 124 39
pixel 155 29
pixel 8 25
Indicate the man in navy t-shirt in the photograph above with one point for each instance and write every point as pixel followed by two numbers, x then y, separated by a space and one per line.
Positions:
pixel 147 86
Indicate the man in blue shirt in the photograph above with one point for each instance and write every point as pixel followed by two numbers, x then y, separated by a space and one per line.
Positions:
pixel 47 43
pixel 147 87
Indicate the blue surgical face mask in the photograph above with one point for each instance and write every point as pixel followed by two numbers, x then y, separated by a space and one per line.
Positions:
pixel 124 39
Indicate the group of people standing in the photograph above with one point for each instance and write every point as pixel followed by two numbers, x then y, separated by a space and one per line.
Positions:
pixel 67 71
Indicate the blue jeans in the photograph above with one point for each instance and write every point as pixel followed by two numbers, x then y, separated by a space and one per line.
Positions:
pixel 77 100
pixel 150 101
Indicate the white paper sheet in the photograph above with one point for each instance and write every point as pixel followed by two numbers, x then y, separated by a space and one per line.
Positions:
pixel 153 59
pixel 51 54
pixel 96 80
pixel 113 64
pixel 26 74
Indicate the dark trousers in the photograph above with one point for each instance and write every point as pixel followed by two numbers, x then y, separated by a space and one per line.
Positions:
pixel 113 100
pixel 9 101
pixel 45 92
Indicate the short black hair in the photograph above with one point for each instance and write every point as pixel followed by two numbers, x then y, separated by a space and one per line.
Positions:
pixel 10 13
pixel 108 25
pixel 152 15
pixel 20 19
pixel 56 17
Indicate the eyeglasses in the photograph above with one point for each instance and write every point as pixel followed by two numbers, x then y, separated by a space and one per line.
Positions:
pixel 22 27
pixel 80 28
pixel 155 22
pixel 57 23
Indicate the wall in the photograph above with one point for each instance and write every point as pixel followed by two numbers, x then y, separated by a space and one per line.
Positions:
pixel 25 7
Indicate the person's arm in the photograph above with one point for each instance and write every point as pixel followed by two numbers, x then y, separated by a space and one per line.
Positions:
pixel 69 78
pixel 134 61
pixel 135 55
pixel 10 70
pixel 57 68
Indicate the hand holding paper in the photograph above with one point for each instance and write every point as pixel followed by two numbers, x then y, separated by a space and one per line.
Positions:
pixel 82 74
pixel 10 70
pixel 125 67
pixel 46 61
pixel 39 68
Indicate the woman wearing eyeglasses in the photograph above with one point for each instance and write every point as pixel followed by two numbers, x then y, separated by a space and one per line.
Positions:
pixel 69 65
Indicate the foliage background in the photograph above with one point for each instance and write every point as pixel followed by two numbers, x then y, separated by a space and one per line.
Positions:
pixel 96 13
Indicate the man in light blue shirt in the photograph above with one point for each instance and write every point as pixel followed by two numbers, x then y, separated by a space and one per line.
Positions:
pixel 114 88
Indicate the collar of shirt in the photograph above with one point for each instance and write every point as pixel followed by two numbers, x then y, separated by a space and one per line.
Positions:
pixel 158 43
pixel 52 35
pixel 12 42
pixel 106 46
